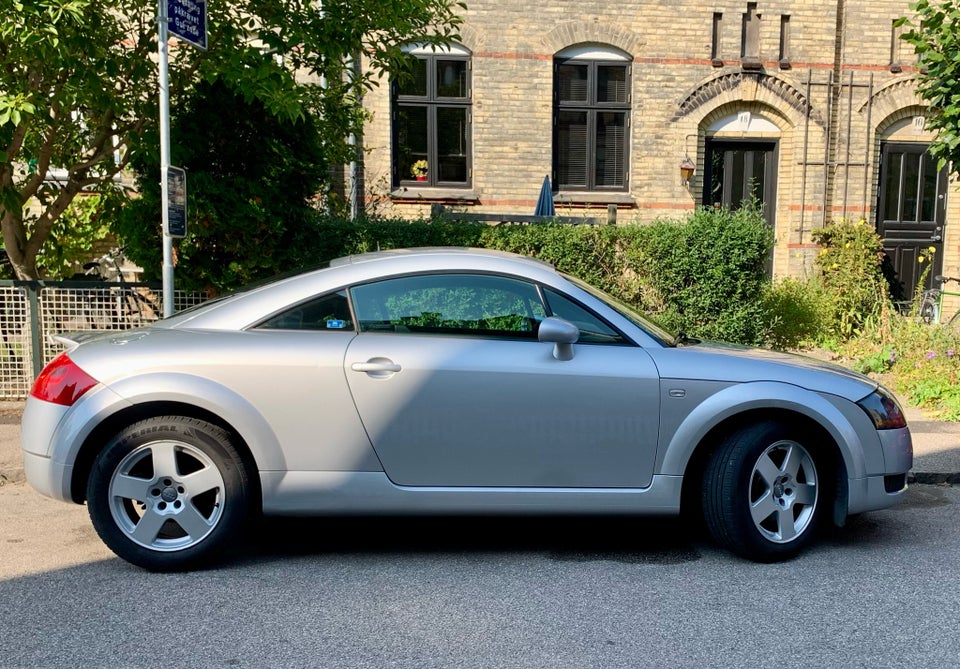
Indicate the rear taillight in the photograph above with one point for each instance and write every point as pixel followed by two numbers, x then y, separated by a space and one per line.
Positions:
pixel 62 382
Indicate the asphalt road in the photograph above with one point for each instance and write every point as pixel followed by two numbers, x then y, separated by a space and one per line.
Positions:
pixel 422 593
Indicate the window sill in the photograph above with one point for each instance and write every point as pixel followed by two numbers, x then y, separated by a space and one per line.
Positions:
pixel 587 199
pixel 417 195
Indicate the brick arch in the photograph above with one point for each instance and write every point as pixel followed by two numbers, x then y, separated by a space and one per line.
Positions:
pixel 892 97
pixel 727 109
pixel 461 43
pixel 889 119
pixel 744 89
pixel 572 33
pixel 471 38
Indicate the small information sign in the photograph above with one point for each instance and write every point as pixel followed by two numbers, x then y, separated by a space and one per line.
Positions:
pixel 188 21
pixel 176 202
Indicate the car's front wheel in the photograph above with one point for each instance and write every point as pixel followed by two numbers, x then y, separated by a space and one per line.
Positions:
pixel 762 492
pixel 169 493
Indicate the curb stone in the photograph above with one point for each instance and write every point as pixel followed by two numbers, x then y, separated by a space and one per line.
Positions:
pixel 933 478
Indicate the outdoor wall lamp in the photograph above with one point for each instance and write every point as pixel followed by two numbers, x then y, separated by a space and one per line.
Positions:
pixel 687 168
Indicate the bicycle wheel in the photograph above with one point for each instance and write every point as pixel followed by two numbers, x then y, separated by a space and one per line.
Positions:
pixel 954 322
pixel 929 309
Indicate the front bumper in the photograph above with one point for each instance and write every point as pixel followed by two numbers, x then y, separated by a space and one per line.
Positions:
pixel 897 447
pixel 881 490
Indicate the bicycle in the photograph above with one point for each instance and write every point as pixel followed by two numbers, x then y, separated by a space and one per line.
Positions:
pixel 931 303
pixel 131 307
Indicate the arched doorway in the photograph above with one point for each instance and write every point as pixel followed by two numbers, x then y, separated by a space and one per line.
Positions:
pixel 740 164
pixel 911 213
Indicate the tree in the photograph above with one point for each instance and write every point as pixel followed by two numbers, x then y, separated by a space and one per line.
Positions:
pixel 78 85
pixel 251 179
pixel 934 32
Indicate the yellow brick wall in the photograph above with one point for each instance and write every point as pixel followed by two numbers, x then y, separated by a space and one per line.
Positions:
pixel 677 94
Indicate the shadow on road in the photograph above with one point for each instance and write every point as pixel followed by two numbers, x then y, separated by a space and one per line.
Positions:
pixel 575 539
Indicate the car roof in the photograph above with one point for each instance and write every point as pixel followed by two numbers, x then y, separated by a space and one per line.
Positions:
pixel 251 304
pixel 419 252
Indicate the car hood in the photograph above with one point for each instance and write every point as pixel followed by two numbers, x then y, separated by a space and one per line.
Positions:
pixel 714 361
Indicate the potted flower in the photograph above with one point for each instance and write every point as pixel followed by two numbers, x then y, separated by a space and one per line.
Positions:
pixel 419 170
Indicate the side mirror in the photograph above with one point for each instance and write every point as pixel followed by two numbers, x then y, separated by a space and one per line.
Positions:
pixel 562 334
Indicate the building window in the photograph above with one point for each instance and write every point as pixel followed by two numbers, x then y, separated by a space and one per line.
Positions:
pixel 431 120
pixel 591 119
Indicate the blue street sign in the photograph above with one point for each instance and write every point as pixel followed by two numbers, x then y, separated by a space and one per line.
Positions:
pixel 188 21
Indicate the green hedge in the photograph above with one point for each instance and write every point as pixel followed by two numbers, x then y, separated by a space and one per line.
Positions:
pixel 704 275
pixel 709 273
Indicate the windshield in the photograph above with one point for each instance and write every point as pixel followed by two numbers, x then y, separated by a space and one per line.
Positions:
pixel 626 311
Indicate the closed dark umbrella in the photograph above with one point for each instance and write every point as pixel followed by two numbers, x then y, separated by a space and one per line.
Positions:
pixel 545 201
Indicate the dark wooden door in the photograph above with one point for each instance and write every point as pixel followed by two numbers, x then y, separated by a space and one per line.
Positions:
pixel 738 171
pixel 910 213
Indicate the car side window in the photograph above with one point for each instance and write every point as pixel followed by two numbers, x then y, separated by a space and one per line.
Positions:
pixel 329 312
pixel 592 329
pixel 450 304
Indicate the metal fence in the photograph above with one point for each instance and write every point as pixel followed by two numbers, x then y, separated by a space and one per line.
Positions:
pixel 31 312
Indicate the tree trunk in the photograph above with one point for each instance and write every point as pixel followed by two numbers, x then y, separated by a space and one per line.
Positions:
pixel 24 265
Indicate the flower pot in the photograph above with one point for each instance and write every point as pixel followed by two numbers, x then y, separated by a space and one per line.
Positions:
pixel 422 178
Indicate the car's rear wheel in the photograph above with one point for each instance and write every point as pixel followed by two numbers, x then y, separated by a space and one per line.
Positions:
pixel 169 493
pixel 762 492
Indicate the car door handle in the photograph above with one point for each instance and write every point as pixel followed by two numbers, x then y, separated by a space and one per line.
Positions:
pixel 375 365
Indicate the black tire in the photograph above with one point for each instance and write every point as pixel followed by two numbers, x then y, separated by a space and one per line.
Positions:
pixel 928 310
pixel 169 493
pixel 954 322
pixel 758 469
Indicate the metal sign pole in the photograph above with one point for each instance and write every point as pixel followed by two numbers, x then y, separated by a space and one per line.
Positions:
pixel 162 38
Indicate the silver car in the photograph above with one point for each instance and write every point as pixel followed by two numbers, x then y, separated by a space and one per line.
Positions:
pixel 447 381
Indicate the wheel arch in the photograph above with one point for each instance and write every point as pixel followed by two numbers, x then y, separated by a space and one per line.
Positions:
pixel 114 423
pixel 734 407
pixel 835 477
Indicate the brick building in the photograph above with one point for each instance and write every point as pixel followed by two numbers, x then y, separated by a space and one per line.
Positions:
pixel 807 104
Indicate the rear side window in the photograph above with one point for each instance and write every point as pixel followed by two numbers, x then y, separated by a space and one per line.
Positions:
pixel 330 312
pixel 450 304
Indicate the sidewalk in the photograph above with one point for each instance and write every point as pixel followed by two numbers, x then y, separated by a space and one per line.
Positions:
pixel 936 448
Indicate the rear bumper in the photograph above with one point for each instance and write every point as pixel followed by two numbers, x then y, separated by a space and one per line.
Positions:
pixel 39 425
pixel 48 474
pixel 48 477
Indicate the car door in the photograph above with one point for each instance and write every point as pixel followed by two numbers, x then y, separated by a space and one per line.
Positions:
pixel 454 389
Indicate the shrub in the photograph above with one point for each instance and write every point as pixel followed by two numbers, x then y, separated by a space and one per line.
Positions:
pixel 850 265
pixel 75 237
pixel 920 362
pixel 599 255
pixel 705 275
pixel 252 178
pixel 795 313
pixel 708 272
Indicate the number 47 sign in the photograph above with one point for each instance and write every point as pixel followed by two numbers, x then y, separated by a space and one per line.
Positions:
pixel 188 21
